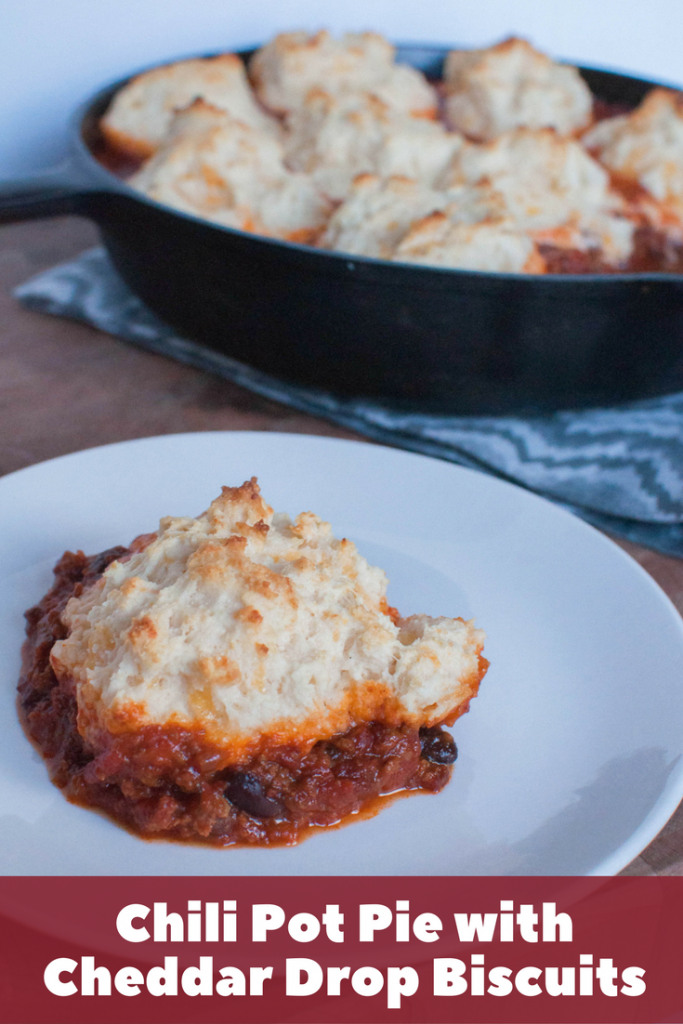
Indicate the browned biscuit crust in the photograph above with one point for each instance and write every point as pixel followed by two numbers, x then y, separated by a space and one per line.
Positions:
pixel 172 782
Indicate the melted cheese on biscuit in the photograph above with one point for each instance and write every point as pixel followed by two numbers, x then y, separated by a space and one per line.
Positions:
pixel 257 630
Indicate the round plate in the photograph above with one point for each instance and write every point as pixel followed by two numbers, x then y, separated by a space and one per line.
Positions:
pixel 569 758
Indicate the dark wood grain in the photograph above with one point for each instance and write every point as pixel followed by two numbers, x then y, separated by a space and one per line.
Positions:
pixel 65 386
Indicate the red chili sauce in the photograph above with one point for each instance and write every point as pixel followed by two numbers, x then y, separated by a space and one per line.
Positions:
pixel 170 782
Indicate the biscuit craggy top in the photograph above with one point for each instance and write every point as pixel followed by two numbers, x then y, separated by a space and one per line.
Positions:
pixel 257 630
pixel 646 146
pixel 512 85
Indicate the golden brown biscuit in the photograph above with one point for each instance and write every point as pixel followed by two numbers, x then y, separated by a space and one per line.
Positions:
pixel 286 70
pixel 255 627
pixel 140 116
pixel 513 85
pixel 221 169
pixel 551 187
pixel 645 148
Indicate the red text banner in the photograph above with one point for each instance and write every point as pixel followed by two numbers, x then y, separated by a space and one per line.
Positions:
pixel 338 950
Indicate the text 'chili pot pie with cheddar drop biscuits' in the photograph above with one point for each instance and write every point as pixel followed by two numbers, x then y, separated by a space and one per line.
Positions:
pixel 240 678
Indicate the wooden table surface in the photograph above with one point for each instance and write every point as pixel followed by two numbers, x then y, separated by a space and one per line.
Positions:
pixel 65 386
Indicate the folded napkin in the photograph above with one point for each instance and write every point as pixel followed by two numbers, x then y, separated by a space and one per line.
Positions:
pixel 619 468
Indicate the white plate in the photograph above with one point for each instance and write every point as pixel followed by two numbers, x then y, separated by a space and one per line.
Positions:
pixel 569 758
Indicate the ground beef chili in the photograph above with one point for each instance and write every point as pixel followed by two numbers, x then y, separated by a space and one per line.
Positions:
pixel 170 782
pixel 653 251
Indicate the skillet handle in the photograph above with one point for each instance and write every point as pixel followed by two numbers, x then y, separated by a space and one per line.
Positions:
pixel 57 190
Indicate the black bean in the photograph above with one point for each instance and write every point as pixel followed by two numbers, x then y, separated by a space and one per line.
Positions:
pixel 438 746
pixel 244 791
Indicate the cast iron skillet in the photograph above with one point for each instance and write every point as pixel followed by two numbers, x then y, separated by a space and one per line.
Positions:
pixel 427 339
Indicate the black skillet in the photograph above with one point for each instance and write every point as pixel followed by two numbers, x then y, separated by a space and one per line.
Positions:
pixel 425 338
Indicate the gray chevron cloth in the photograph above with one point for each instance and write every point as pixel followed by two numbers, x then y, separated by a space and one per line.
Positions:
pixel 620 468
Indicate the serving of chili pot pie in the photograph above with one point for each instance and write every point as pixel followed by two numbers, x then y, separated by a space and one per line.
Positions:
pixel 240 678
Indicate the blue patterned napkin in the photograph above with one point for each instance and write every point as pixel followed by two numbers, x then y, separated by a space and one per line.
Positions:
pixel 620 468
